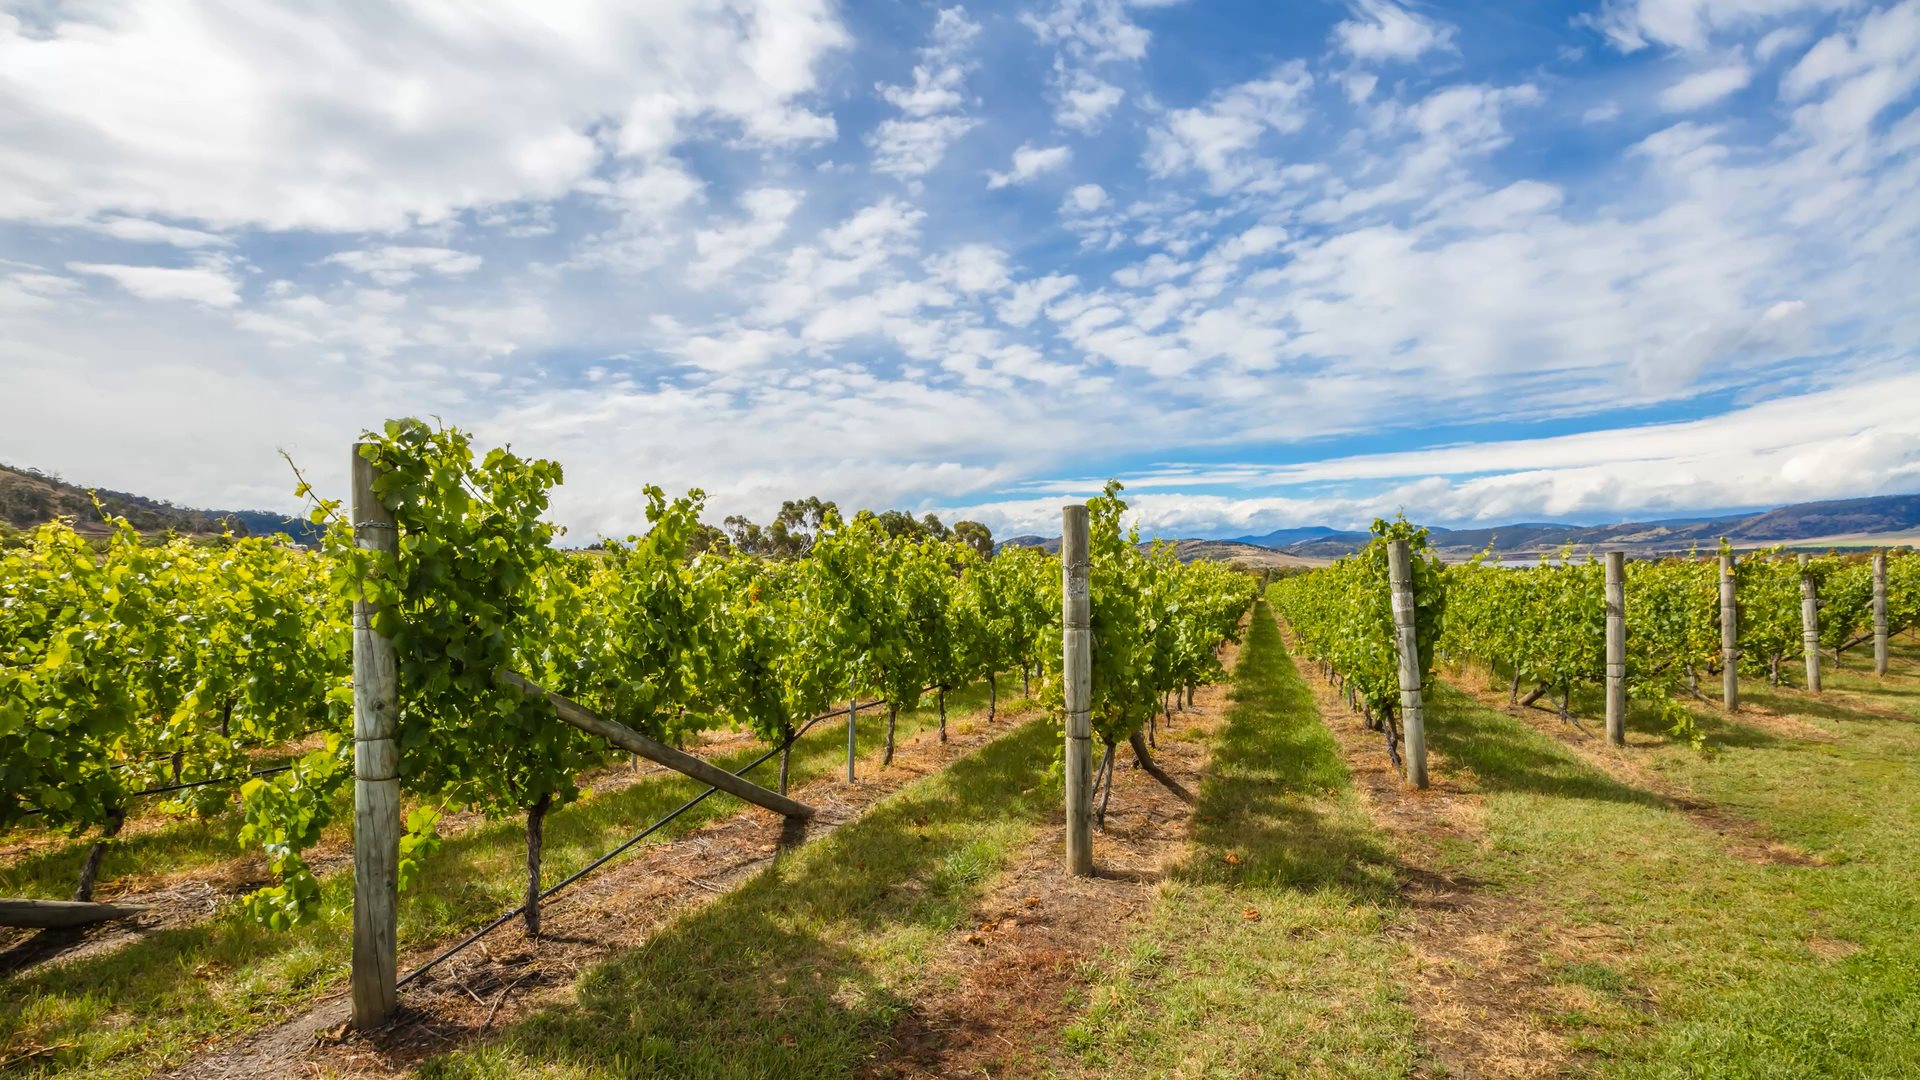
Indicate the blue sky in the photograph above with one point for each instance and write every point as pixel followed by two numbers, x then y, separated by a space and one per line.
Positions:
pixel 1272 264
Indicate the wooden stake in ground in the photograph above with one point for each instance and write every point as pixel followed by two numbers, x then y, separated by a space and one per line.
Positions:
pixel 1880 613
pixel 376 773
pixel 1616 602
pixel 853 713
pixel 1413 726
pixel 1809 626
pixel 1729 637
pixel 1077 681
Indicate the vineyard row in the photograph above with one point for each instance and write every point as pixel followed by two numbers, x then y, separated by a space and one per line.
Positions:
pixel 1647 629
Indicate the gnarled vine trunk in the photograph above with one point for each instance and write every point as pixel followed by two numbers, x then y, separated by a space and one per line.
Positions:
pixel 893 714
pixel 536 836
pixel 993 695
pixel 90 869
pixel 941 696
pixel 1144 759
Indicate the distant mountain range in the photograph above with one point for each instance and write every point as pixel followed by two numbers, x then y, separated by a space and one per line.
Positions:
pixel 29 497
pixel 1882 520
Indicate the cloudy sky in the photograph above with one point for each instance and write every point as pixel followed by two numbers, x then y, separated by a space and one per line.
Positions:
pixel 1273 264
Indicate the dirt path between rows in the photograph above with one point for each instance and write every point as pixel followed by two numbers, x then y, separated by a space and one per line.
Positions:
pixel 994 993
pixel 506 976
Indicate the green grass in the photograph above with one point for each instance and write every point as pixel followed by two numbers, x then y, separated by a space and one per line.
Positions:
pixel 1200 989
pixel 1698 961
pixel 159 999
pixel 802 971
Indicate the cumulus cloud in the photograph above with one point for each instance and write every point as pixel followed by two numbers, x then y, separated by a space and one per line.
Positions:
pixel 208 285
pixel 1217 136
pixel 1385 30
pixel 1703 88
pixel 397 265
pixel 1030 161
pixel 368 118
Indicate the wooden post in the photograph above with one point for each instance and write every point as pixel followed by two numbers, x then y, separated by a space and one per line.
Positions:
pixel 1809 626
pixel 1616 603
pixel 1077 679
pixel 376 774
pixel 853 712
pixel 1413 725
pixel 1729 637
pixel 1880 613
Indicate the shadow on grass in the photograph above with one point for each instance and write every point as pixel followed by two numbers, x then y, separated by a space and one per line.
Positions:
pixel 1273 767
pixel 1795 704
pixel 771 980
pixel 1507 755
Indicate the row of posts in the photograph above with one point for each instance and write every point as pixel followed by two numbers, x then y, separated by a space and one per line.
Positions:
pixel 1730 634
pixel 1078 657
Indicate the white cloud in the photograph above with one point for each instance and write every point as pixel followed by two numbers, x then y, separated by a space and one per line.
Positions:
pixel 1030 161
pixel 1385 30
pixel 32 290
pixel 1086 198
pixel 1779 41
pixel 369 118
pixel 1703 88
pixel 1631 25
pixel 153 232
pixel 1084 100
pixel 1029 297
pixel 397 265
pixel 208 285
pixel 1092 30
pixel 973 268
pixel 909 148
pixel 913 144
pixel 1217 137
pixel 722 249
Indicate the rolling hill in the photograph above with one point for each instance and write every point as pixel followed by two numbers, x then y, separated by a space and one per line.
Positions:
pixel 29 497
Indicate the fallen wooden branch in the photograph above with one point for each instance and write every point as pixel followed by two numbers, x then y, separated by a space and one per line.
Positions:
pixel 53 914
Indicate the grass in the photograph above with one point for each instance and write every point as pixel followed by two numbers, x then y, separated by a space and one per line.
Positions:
pixel 802 971
pixel 154 1002
pixel 1202 988
pixel 1694 958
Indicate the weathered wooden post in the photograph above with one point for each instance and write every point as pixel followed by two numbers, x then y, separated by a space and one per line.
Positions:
pixel 1077 681
pixel 1729 637
pixel 1809 626
pixel 853 713
pixel 1616 603
pixel 1880 613
pixel 1413 724
pixel 376 772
